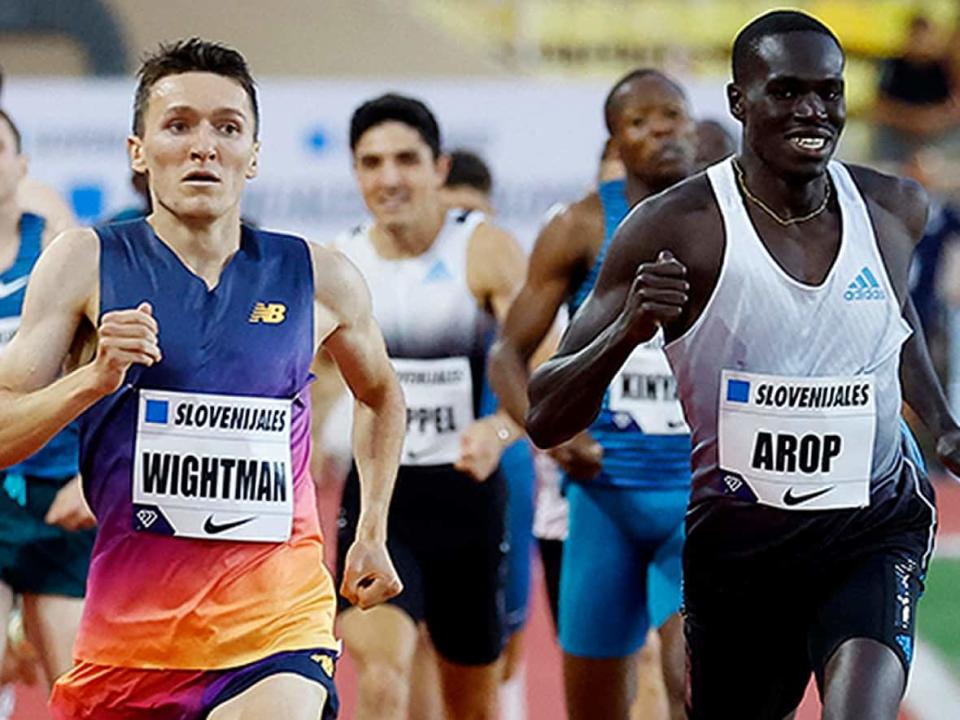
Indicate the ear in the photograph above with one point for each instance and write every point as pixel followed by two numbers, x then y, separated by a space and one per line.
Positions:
pixel 735 101
pixel 253 166
pixel 138 163
pixel 442 165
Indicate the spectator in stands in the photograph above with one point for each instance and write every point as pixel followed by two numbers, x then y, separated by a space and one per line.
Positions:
pixel 917 97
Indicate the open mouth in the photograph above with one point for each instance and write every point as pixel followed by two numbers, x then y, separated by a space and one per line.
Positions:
pixel 201 177
pixel 810 142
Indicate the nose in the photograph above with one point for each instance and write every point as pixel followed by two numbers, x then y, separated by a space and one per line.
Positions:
pixel 203 147
pixel 389 175
pixel 810 107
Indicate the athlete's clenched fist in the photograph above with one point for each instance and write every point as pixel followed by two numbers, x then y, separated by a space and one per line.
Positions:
pixel 125 337
pixel 658 293
pixel 369 577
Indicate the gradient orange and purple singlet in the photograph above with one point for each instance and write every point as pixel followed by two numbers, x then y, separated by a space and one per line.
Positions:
pixel 156 600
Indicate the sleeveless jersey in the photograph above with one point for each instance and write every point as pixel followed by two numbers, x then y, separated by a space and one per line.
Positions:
pixel 645 440
pixel 58 458
pixel 209 553
pixel 793 390
pixel 436 334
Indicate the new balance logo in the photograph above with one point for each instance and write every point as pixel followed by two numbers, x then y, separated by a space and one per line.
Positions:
pixel 864 287
pixel 269 313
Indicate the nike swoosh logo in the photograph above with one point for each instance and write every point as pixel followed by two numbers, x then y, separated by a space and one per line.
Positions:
pixel 789 499
pixel 8 289
pixel 212 528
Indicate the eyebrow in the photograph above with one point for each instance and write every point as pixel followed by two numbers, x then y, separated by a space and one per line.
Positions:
pixel 184 108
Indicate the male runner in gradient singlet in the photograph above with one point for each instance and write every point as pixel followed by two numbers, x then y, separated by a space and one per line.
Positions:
pixel 207 594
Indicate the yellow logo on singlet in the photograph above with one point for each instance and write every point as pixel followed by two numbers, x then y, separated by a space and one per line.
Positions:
pixel 269 313
pixel 325 662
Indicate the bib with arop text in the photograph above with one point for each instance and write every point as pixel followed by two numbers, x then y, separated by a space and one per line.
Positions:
pixel 799 443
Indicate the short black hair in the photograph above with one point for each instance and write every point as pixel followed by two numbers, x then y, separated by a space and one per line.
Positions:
pixel 192 55
pixel 468 168
pixel 397 108
pixel 611 106
pixel 17 140
pixel 777 22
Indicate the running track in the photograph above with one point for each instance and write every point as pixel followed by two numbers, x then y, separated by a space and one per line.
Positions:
pixel 544 687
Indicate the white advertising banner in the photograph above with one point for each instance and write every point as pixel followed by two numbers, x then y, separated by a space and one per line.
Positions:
pixel 541 138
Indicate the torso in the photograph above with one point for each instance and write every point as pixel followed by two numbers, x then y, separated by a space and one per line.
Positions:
pixel 436 331
pixel 200 462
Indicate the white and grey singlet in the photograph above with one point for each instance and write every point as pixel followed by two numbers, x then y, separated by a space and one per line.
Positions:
pixel 436 333
pixel 791 390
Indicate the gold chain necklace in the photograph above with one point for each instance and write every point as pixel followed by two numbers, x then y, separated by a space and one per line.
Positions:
pixel 770 211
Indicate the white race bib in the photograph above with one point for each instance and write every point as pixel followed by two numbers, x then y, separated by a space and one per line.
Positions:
pixel 439 396
pixel 215 467
pixel 799 443
pixel 8 328
pixel 645 390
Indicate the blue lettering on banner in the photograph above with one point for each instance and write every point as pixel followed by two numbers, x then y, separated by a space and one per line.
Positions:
pixel 157 412
pixel 738 391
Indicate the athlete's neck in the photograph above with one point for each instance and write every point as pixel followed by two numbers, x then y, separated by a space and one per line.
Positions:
pixel 788 196
pixel 395 241
pixel 204 246
pixel 639 187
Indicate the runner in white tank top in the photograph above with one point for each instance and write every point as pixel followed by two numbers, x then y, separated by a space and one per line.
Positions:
pixel 779 280
pixel 439 281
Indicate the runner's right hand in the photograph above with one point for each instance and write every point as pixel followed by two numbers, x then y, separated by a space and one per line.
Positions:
pixel 369 577
pixel 125 337
pixel 581 456
pixel 658 294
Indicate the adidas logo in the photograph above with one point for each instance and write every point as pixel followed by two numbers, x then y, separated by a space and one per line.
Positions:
pixel 864 287
pixel 438 273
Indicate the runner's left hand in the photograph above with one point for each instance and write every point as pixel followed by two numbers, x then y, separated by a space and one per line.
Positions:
pixel 480 450
pixel 369 577
pixel 948 450
pixel 69 510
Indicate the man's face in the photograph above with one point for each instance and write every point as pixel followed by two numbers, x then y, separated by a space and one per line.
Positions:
pixel 13 165
pixel 653 131
pixel 791 103
pixel 399 178
pixel 197 145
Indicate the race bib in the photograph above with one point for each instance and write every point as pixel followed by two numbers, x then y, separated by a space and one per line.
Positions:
pixel 439 396
pixel 214 467
pixel 798 443
pixel 8 328
pixel 645 390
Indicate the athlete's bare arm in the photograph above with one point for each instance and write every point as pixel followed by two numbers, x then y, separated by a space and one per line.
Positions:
pixel 562 254
pixel 495 268
pixel 349 334
pixel 61 303
pixel 661 268
pixel 899 210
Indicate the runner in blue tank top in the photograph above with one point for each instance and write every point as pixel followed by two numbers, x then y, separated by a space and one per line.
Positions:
pixel 44 553
pixel 621 563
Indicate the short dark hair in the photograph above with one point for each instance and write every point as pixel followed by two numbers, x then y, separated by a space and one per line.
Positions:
pixel 777 22
pixel 397 108
pixel 17 140
pixel 611 106
pixel 192 55
pixel 468 168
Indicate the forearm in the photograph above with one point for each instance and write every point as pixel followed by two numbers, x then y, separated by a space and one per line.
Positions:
pixel 29 420
pixel 921 387
pixel 508 378
pixel 379 425
pixel 566 392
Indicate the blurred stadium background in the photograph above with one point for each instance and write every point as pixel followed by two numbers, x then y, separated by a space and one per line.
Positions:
pixel 521 82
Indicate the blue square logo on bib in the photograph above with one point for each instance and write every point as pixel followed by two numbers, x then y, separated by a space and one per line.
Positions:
pixel 738 391
pixel 157 411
